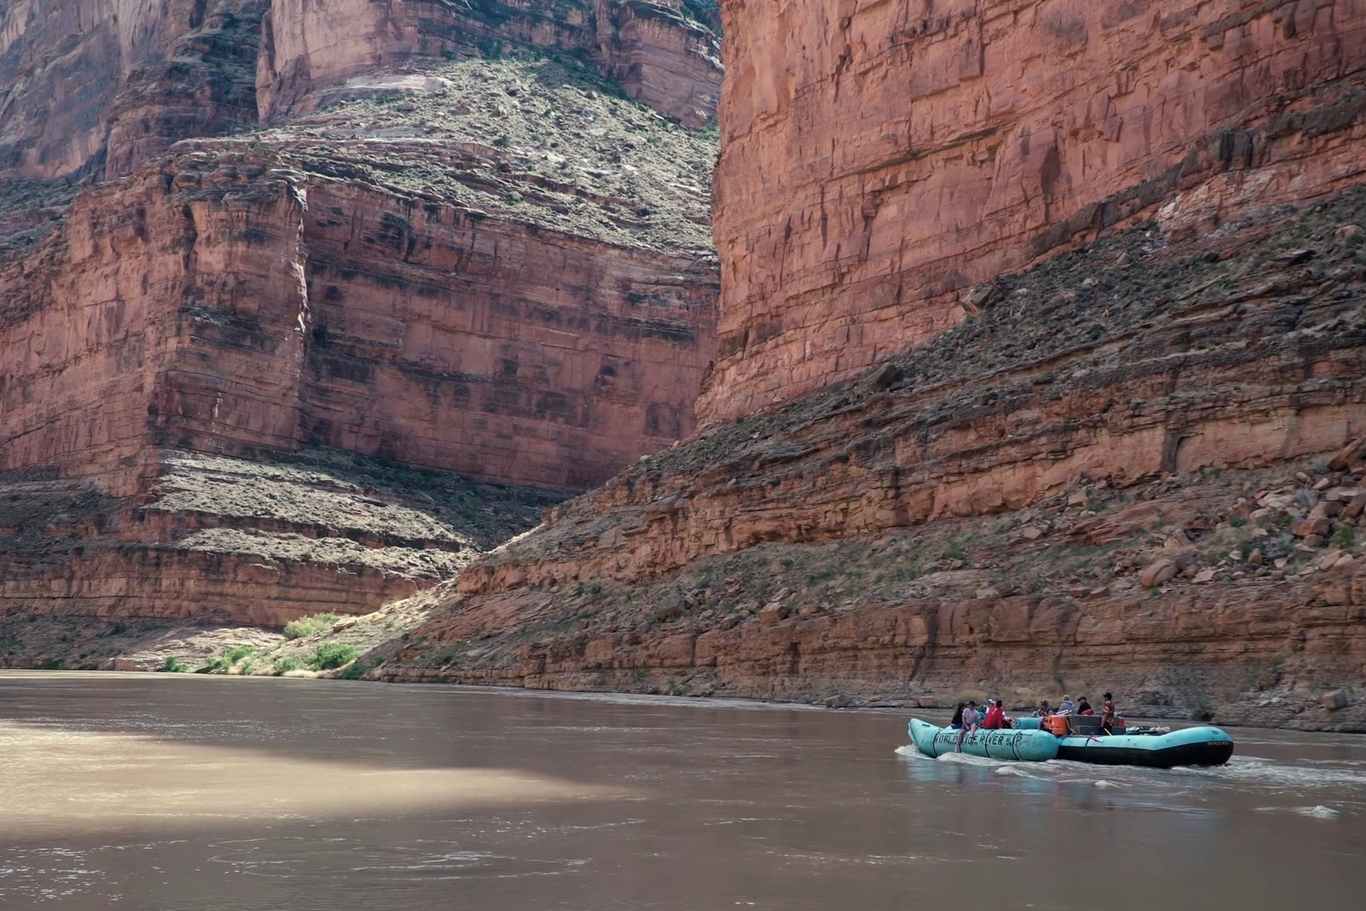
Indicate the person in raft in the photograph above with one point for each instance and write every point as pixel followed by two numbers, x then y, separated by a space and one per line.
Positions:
pixel 1066 707
pixel 972 719
pixel 996 716
pixel 957 723
pixel 1107 715
pixel 1084 707
pixel 1043 711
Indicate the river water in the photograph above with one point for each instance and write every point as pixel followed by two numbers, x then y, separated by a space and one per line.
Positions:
pixel 174 792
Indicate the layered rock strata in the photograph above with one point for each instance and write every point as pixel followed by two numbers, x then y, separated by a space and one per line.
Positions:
pixel 228 301
pixel 105 86
pixel 658 55
pixel 218 540
pixel 880 159
pixel 498 268
pixel 85 76
pixel 926 530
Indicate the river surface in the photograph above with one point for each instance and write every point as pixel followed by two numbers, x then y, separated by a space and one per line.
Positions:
pixel 171 792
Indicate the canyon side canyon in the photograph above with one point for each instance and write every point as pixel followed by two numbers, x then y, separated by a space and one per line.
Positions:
pixel 1034 360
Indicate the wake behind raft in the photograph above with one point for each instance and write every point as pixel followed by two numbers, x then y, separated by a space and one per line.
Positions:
pixel 1201 746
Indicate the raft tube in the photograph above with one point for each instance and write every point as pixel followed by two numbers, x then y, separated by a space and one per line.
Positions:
pixel 1203 746
pixel 1030 746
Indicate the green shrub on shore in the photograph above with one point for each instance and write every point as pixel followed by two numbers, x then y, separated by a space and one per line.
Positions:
pixel 172 665
pixel 218 664
pixel 357 670
pixel 285 665
pixel 223 662
pixel 307 626
pixel 238 652
pixel 332 655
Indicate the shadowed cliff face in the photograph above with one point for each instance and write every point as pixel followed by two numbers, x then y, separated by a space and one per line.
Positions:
pixel 881 159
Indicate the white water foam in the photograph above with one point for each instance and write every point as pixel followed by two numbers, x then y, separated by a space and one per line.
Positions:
pixel 1102 783
pixel 1012 771
pixel 967 759
pixel 1318 812
pixel 1258 771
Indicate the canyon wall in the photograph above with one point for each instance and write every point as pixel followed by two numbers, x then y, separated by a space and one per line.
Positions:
pixel 446 339
pixel 1140 467
pixel 1040 366
pixel 489 268
pixel 216 304
pixel 658 55
pixel 172 305
pixel 879 159
pixel 107 85
pixel 175 311
pixel 133 76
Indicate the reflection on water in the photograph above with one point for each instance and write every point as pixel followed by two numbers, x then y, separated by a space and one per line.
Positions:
pixel 192 793
pixel 116 782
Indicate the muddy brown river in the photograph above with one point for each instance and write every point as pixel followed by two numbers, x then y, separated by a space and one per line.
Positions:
pixel 175 792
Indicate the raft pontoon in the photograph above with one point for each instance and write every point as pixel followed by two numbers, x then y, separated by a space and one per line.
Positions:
pixel 1081 740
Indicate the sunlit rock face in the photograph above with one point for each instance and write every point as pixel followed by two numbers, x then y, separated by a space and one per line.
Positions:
pixel 879 159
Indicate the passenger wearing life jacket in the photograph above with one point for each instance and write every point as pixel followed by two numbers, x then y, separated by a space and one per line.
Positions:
pixel 996 716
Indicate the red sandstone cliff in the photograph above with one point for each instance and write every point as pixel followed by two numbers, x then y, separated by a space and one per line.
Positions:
pixel 125 79
pixel 132 76
pixel 1120 472
pixel 494 267
pixel 1119 475
pixel 657 54
pixel 879 159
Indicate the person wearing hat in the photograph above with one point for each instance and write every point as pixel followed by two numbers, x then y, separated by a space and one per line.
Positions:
pixel 996 716
pixel 1084 707
pixel 1043 711
pixel 1066 707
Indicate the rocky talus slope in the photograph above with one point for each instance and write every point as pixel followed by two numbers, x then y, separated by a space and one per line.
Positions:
pixel 219 541
pixel 479 257
pixel 1127 471
pixel 881 159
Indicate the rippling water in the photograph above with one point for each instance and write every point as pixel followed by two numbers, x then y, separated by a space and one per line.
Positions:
pixel 166 791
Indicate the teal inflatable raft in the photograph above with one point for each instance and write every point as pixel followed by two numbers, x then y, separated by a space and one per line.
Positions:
pixel 1157 748
pixel 1163 749
pixel 1030 746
